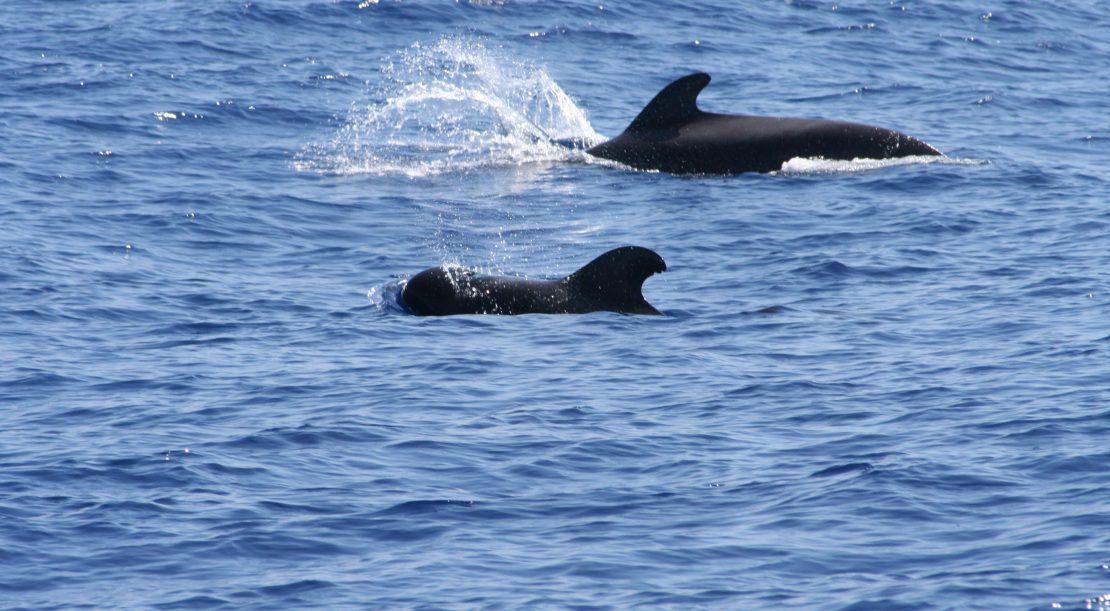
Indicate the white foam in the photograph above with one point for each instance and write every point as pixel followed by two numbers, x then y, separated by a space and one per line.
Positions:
pixel 812 166
pixel 450 107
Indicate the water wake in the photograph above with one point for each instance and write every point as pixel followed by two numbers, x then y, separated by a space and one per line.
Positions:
pixel 454 106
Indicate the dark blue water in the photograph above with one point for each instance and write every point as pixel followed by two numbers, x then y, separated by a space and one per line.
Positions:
pixel 877 385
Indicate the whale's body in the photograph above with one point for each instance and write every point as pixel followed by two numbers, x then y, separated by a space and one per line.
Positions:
pixel 611 282
pixel 672 135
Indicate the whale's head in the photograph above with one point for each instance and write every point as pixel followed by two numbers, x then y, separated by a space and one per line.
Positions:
pixel 432 291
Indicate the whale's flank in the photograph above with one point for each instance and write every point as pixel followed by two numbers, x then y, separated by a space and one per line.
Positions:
pixel 672 134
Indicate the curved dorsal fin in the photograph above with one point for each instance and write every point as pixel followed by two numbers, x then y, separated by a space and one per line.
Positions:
pixel 615 279
pixel 677 103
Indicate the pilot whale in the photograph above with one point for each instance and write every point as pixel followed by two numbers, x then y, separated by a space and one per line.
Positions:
pixel 612 282
pixel 673 135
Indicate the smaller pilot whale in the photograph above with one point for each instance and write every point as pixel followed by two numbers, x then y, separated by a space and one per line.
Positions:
pixel 612 282
pixel 673 135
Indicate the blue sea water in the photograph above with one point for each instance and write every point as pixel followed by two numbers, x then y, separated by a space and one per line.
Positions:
pixel 878 385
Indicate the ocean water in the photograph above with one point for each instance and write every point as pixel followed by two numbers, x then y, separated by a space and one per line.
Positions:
pixel 877 385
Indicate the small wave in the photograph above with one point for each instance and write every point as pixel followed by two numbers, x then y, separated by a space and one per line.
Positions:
pixel 835 269
pixel 451 107
pixel 855 467
pixel 769 310
pixel 815 166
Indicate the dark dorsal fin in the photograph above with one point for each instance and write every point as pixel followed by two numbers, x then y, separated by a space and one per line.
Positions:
pixel 676 104
pixel 614 281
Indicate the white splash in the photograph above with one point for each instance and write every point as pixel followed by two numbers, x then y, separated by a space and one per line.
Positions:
pixel 454 106
pixel 813 166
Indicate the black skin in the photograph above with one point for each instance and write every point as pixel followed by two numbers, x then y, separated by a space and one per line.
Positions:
pixel 612 282
pixel 672 135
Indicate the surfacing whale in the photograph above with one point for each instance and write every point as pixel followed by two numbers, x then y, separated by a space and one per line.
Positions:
pixel 672 135
pixel 612 282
